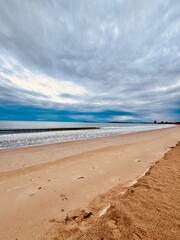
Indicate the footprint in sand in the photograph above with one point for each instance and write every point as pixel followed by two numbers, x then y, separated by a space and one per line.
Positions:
pixel 52 179
pixel 26 194
pixel 34 179
pixel 32 192
pixel 137 160
pixel 77 177
pixel 63 197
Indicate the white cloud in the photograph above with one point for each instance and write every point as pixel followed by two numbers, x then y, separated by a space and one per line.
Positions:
pixel 92 55
pixel 47 87
pixel 124 118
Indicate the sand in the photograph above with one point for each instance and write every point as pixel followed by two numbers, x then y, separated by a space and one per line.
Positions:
pixel 148 210
pixel 40 187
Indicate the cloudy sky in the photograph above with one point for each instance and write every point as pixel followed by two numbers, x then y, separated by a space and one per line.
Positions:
pixel 94 60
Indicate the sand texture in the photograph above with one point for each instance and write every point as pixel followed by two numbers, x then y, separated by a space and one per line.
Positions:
pixel 150 209
pixel 43 185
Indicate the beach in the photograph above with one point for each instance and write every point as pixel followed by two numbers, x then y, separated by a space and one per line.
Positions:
pixel 50 189
pixel 149 209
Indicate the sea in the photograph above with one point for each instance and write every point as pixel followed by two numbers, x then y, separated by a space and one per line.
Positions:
pixel 15 134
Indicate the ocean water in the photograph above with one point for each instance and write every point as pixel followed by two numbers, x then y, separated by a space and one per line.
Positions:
pixel 14 140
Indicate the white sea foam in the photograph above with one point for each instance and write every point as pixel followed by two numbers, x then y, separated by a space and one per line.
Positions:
pixel 40 138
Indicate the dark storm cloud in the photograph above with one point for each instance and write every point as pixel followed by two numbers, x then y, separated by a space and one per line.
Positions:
pixel 117 55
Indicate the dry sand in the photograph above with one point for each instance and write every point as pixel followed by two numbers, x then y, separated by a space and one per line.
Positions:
pixel 42 185
pixel 147 210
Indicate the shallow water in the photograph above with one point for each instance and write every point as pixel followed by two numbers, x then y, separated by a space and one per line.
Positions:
pixel 14 140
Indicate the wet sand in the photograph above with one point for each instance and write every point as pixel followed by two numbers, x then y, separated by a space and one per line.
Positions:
pixel 39 186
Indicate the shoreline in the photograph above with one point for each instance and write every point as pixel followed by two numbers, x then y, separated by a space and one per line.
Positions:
pixel 87 139
pixel 54 146
pixel 71 176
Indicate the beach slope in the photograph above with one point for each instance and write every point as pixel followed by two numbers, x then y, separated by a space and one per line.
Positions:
pixel 147 210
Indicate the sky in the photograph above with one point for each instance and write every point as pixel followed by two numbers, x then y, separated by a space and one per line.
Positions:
pixel 90 60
